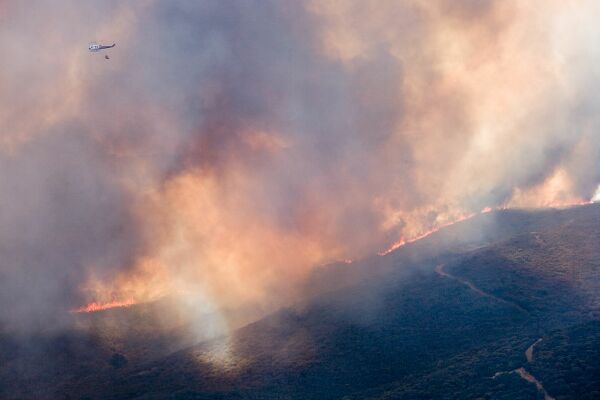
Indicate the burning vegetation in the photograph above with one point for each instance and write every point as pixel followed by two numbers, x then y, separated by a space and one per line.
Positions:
pixel 99 306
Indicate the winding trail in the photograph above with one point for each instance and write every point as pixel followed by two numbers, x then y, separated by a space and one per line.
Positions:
pixel 440 271
pixel 523 373
pixel 530 378
pixel 529 351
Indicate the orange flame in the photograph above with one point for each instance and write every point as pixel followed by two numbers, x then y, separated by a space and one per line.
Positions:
pixel 573 203
pixel 403 241
pixel 433 230
pixel 98 306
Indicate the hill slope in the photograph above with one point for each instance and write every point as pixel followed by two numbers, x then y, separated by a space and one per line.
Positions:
pixel 449 317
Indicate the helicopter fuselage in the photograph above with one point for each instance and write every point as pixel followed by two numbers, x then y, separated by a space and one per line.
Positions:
pixel 97 47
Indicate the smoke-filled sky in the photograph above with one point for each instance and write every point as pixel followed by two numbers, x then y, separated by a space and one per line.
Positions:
pixel 227 147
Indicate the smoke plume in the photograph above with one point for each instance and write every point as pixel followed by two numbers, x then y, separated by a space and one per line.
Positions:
pixel 226 148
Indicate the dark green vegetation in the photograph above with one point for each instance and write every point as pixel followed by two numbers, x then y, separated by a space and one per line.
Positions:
pixel 386 328
pixel 569 361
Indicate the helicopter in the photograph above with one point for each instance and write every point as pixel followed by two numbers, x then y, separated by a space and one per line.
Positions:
pixel 95 47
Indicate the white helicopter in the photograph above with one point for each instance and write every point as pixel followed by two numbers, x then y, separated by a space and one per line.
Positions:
pixel 95 47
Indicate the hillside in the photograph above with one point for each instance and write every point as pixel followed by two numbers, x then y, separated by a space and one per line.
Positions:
pixel 448 317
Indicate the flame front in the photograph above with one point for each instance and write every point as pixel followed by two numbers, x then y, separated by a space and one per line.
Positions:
pixel 464 217
pixel 99 306
pixel 403 241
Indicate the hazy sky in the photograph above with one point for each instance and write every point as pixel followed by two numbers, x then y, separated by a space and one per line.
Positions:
pixel 227 147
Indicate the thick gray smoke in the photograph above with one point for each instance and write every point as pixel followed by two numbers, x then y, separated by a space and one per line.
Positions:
pixel 228 146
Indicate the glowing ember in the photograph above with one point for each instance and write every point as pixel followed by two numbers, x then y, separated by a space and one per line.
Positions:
pixel 96 306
